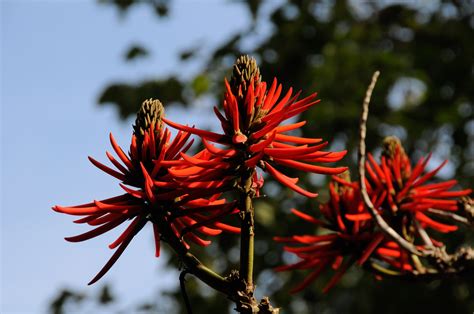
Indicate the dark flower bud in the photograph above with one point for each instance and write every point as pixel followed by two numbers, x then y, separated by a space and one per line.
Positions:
pixel 148 117
pixel 245 71
pixel 390 146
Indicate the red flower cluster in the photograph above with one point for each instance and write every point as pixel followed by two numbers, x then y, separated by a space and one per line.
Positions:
pixel 176 208
pixel 404 189
pixel 348 240
pixel 253 134
pixel 401 197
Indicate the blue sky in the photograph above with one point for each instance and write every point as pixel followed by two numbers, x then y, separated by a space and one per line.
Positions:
pixel 56 58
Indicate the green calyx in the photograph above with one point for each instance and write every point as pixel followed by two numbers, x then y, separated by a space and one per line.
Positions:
pixel 148 117
pixel 244 72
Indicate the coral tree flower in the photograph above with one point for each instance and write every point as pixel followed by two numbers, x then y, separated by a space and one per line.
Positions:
pixel 408 191
pixel 404 199
pixel 253 133
pixel 347 241
pixel 151 193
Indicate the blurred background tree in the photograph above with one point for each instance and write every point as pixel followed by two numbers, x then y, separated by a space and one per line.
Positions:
pixel 425 96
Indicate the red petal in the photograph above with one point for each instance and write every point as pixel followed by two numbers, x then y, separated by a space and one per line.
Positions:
pixel 335 279
pixel 311 168
pixel 120 152
pixel 434 224
pixel 262 144
pixel 370 248
pixel 290 127
pixel 311 277
pixel 296 139
pixel 306 217
pixel 205 134
pixel 114 258
pixel 97 231
pixel 116 163
pixel 156 233
pixel 130 229
pixel 106 169
pixel 287 181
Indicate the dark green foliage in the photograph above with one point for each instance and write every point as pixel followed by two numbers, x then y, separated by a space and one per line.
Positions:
pixel 187 54
pixel 64 298
pixel 200 85
pixel 160 7
pixel 136 52
pixel 105 296
pixel 128 97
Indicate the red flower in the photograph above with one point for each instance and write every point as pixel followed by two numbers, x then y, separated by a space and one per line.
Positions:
pixel 352 238
pixel 348 241
pixel 253 134
pixel 403 198
pixel 407 190
pixel 177 210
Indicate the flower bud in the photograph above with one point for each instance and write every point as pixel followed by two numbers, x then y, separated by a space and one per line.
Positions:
pixel 245 71
pixel 148 117
pixel 390 144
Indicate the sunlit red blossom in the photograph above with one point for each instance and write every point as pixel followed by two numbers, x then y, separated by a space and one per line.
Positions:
pixel 151 194
pixel 408 190
pixel 400 194
pixel 253 134
pixel 390 259
pixel 351 236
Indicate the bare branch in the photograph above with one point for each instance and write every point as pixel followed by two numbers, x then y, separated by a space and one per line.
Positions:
pixel 365 196
pixel 451 264
pixel 446 264
pixel 423 234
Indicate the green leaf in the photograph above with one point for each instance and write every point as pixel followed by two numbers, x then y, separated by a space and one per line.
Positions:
pixel 200 84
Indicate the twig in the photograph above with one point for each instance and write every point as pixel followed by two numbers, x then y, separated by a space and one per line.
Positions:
pixel 460 261
pixel 365 196
pixel 446 264
pixel 428 243
pixel 423 234
pixel 182 284
pixel 451 215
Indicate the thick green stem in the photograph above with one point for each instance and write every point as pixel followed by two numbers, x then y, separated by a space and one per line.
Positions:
pixel 241 291
pixel 205 274
pixel 193 264
pixel 247 233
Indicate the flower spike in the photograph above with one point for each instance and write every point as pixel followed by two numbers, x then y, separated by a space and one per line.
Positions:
pixel 152 192
pixel 402 196
pixel 252 129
